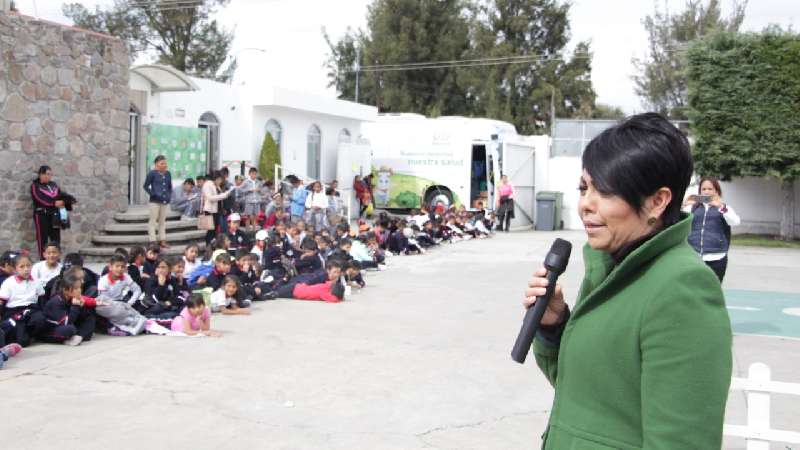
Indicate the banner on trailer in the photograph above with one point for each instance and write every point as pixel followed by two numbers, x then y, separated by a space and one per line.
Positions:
pixel 184 147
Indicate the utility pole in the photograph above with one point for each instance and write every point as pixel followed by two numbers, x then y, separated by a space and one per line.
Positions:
pixel 358 69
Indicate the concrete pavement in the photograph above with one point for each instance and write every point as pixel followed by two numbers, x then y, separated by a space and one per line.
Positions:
pixel 419 359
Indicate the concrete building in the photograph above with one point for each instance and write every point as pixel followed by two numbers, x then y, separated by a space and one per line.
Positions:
pixel 308 128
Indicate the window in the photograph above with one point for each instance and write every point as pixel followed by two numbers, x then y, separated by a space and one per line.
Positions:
pixel 344 135
pixel 274 129
pixel 314 152
pixel 210 123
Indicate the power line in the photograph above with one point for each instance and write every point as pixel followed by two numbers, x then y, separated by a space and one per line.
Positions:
pixel 478 62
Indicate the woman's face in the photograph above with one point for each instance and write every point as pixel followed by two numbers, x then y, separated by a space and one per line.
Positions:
pixel 609 221
pixel 504 179
pixel 707 188
pixel 218 181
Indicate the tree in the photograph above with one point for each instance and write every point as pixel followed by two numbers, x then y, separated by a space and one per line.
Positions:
pixel 661 81
pixel 270 155
pixel 183 36
pixel 401 32
pixel 602 111
pixel 404 32
pixel 522 93
pixel 743 92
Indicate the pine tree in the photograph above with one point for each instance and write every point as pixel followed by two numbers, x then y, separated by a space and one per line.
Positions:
pixel 269 157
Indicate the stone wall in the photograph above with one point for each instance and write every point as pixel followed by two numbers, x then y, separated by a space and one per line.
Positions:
pixel 64 103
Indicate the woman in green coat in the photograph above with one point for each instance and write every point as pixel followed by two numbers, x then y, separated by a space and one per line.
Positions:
pixel 643 361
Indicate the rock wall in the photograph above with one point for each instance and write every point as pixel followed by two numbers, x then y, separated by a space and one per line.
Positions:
pixel 64 103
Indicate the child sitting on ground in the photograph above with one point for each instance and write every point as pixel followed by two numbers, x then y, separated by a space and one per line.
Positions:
pixel 20 315
pixel 118 285
pixel 151 259
pixel 178 278
pixel 194 319
pixel 161 296
pixel 135 262
pixel 50 267
pixel 229 299
pixel 70 317
pixel 190 259
pixel 89 278
pixel 222 267
pixel 309 260
pixel 238 240
pixel 7 265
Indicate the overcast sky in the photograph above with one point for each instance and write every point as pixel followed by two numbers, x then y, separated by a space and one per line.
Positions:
pixel 290 33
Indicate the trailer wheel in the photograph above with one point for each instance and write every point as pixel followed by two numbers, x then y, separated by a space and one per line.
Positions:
pixel 438 195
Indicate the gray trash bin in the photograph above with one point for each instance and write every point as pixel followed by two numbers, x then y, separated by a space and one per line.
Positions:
pixel 548 211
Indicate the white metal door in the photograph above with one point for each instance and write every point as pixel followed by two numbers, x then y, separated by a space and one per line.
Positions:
pixel 519 165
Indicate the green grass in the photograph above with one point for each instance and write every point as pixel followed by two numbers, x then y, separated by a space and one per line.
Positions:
pixel 761 240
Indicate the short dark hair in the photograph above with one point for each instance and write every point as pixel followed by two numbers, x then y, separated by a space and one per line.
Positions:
pixel 223 258
pixel 345 241
pixel 159 158
pixel 195 301
pixel 73 260
pixel 189 181
pixel 155 248
pixel 333 264
pixel 115 259
pixel 638 156
pixel 252 169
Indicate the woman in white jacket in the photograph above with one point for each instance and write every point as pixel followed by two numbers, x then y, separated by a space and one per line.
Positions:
pixel 211 196
pixel 317 205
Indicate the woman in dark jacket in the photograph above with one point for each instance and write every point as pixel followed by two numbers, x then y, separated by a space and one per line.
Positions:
pixel 643 361
pixel 50 206
pixel 711 225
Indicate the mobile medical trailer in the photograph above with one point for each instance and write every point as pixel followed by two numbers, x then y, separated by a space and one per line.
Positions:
pixel 450 161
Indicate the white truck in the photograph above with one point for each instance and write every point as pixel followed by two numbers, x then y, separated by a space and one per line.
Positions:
pixel 449 161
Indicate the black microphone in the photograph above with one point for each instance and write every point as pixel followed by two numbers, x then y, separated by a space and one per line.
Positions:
pixel 556 263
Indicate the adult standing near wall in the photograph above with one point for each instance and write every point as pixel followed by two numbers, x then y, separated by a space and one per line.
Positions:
pixel 650 318
pixel 711 225
pixel 50 206
pixel 158 185
pixel 211 197
pixel 505 204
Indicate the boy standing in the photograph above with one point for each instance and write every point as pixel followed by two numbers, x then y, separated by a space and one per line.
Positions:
pixel 252 198
pixel 158 186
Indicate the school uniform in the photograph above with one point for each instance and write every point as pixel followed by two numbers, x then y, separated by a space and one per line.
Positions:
pixel 214 279
pixel 308 264
pixel 21 315
pixel 159 301
pixel 271 261
pixel 64 320
pixel 250 282
pixel 135 272
pixel 159 187
pixel 238 241
pixel 149 267
pixel 189 266
pixel 122 289
pixel 252 197
pixel 42 273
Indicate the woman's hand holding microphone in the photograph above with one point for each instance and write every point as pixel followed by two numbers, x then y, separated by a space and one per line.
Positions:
pixel 556 309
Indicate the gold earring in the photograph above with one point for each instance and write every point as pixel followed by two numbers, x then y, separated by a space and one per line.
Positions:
pixel 652 221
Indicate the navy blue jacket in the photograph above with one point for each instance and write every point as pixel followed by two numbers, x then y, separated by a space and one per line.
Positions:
pixel 710 232
pixel 158 187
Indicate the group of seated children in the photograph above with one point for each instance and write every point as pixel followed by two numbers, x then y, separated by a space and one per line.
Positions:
pixel 64 302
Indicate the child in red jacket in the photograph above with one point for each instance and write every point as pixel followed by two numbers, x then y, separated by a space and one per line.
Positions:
pixel 70 317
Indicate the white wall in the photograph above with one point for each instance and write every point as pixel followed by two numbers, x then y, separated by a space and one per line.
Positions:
pixel 758 202
pixel 295 125
pixel 222 100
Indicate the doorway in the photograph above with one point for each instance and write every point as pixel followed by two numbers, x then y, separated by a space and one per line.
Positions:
pixel 210 123
pixel 134 123
pixel 478 184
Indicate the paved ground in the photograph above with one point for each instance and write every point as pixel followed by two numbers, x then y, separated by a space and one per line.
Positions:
pixel 417 360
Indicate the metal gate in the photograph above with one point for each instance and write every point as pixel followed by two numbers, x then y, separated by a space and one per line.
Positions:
pixel 519 164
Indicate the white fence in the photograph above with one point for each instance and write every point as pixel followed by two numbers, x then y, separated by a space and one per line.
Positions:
pixel 758 387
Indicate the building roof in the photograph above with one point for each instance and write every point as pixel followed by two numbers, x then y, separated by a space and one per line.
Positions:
pixel 165 78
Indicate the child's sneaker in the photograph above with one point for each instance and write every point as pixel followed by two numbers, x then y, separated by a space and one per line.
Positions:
pixel 74 341
pixel 382 266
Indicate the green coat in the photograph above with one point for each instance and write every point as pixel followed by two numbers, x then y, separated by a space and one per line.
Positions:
pixel 645 358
